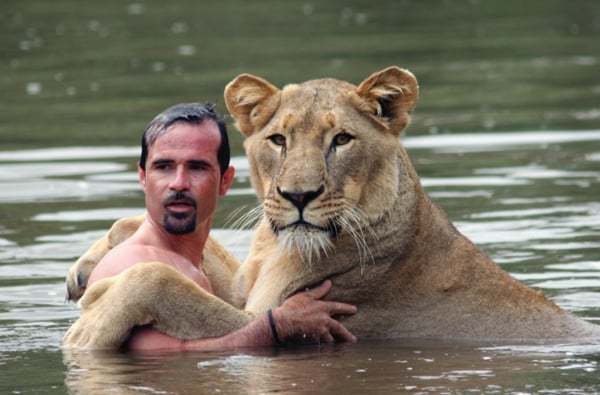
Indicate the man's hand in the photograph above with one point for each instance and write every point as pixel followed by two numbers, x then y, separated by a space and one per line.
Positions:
pixel 305 318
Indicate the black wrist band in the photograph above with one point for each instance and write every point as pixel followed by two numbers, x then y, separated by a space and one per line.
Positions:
pixel 273 327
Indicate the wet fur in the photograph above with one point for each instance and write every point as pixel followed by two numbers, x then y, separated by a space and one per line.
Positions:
pixel 150 293
pixel 367 223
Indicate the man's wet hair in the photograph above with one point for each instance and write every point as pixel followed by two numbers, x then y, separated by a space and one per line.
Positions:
pixel 191 113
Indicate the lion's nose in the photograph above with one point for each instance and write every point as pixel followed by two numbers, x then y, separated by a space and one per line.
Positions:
pixel 301 199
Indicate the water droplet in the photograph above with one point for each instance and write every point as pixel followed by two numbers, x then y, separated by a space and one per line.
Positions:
pixel 33 88
pixel 186 50
pixel 158 66
pixel 135 9
pixel 179 27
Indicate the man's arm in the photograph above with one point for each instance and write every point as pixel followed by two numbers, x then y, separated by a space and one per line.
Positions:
pixel 156 294
pixel 150 293
pixel 303 318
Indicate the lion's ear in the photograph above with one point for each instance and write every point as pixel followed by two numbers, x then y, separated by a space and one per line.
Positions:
pixel 252 101
pixel 392 94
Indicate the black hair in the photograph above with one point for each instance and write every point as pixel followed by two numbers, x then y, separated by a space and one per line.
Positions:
pixel 193 113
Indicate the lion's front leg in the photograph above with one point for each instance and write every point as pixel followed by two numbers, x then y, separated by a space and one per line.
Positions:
pixel 153 294
pixel 104 322
pixel 79 273
pixel 263 249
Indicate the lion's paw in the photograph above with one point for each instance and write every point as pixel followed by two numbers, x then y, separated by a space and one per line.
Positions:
pixel 79 273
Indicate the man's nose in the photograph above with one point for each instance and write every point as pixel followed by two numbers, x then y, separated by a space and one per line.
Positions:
pixel 181 180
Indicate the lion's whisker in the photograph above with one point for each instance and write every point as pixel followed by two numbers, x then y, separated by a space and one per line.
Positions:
pixel 249 219
pixel 354 224
pixel 309 245
pixel 231 217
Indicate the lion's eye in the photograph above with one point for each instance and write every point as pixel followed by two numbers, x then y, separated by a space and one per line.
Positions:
pixel 277 139
pixel 342 139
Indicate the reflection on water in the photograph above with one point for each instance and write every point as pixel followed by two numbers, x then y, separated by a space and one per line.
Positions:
pixel 373 367
pixel 531 205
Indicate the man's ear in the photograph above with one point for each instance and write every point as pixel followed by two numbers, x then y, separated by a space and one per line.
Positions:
pixel 142 176
pixel 226 180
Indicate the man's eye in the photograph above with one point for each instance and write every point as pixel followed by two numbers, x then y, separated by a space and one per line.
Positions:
pixel 198 166
pixel 277 139
pixel 342 139
pixel 162 166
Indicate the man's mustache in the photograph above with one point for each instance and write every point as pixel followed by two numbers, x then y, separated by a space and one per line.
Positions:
pixel 181 197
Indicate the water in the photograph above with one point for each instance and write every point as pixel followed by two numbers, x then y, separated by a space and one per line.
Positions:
pixel 505 137
pixel 537 215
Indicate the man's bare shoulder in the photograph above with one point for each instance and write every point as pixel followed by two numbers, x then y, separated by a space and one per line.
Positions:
pixel 124 256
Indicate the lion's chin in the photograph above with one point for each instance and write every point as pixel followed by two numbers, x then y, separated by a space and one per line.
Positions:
pixel 310 243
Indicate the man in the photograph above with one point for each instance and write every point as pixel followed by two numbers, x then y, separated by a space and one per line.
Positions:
pixel 183 169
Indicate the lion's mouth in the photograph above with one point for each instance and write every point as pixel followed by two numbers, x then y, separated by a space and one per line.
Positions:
pixel 332 228
pixel 311 242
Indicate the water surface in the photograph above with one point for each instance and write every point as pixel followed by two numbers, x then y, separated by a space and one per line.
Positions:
pixel 505 137
pixel 537 215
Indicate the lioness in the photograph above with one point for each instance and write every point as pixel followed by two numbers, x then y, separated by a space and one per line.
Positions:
pixel 341 200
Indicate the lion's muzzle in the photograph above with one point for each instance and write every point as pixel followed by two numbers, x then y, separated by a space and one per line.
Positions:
pixel 301 199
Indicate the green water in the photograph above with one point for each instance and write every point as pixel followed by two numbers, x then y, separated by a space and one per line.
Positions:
pixel 506 137
pixel 81 72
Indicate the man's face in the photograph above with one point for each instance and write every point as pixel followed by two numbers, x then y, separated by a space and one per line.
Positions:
pixel 182 180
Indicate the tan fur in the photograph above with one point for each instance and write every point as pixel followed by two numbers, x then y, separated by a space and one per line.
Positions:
pixel 79 273
pixel 112 306
pixel 150 293
pixel 218 264
pixel 332 151
pixel 397 256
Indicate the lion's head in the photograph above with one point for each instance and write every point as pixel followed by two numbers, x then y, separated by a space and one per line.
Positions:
pixel 323 154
